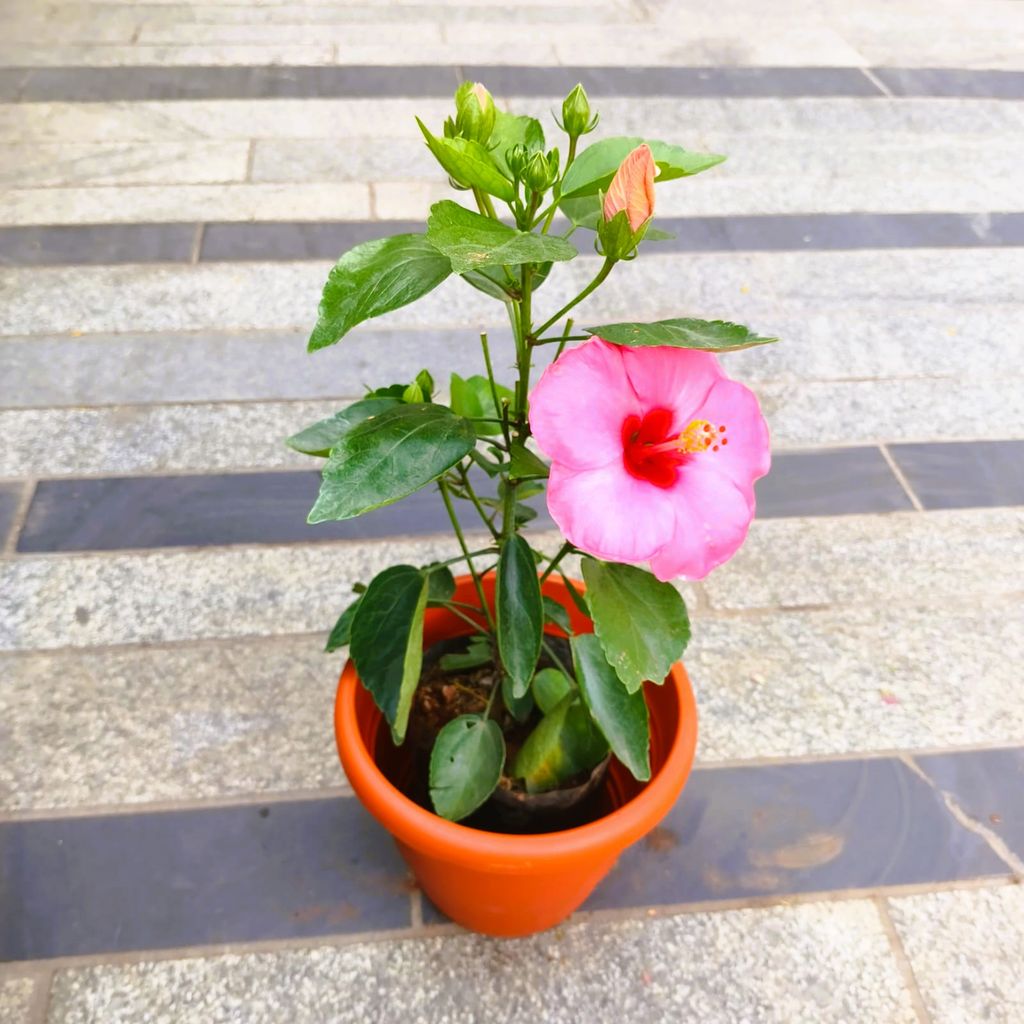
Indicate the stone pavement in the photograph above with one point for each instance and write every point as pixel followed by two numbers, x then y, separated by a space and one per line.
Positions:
pixel 177 841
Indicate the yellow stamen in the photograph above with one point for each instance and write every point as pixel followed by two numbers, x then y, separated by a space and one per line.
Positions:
pixel 697 437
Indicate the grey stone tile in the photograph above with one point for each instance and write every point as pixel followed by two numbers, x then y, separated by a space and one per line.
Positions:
pixel 783 829
pixel 222 366
pixel 866 676
pixel 813 964
pixel 10 499
pixel 120 84
pixel 184 595
pixel 978 82
pixel 183 723
pixel 88 244
pixel 988 785
pixel 184 511
pixel 962 475
pixel 840 481
pixel 11 82
pixel 914 558
pixel 182 878
pixel 965 950
pixel 293 241
pixel 17 999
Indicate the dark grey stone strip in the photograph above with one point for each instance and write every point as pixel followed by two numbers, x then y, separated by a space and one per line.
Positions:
pixel 233 874
pixel 90 885
pixel 964 474
pixel 91 84
pixel 952 82
pixel 96 243
pixel 88 84
pixel 295 240
pixel 120 513
pixel 988 787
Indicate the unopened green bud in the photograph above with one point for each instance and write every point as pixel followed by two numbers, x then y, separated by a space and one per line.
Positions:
pixel 474 112
pixel 576 119
pixel 517 158
pixel 542 171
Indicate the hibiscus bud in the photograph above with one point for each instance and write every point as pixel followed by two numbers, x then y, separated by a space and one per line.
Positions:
pixel 542 171
pixel 576 120
pixel 632 189
pixel 475 112
pixel 517 158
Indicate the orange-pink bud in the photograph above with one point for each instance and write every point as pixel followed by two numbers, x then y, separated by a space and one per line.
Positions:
pixel 632 188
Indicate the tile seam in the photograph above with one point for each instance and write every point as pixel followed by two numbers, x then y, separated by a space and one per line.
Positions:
pixel 901 477
pixel 995 842
pixel 9 546
pixel 903 964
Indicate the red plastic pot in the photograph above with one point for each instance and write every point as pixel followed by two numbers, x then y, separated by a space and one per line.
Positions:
pixel 517 884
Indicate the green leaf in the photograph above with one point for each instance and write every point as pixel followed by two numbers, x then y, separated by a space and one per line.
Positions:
pixel 620 715
pixel 594 168
pixel 564 743
pixel 469 164
pixel 706 335
pixel 465 765
pixel 478 652
pixel 341 635
pixel 512 130
pixel 550 687
pixel 520 708
pixel 489 280
pixel 374 278
pixel 322 436
pixel 556 613
pixel 472 241
pixel 525 465
pixel 575 596
pixel 520 612
pixel 583 211
pixel 442 583
pixel 388 457
pixel 387 641
pixel 472 398
pixel 641 622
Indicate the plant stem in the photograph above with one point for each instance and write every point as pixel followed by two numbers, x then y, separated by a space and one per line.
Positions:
pixel 494 388
pixel 471 494
pixel 556 659
pixel 456 526
pixel 465 618
pixel 605 270
pixel 564 550
pixel 461 558
pixel 568 163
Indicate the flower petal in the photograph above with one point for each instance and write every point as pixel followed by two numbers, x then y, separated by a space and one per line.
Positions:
pixel 632 188
pixel 712 516
pixel 578 406
pixel 610 514
pixel 672 378
pixel 746 457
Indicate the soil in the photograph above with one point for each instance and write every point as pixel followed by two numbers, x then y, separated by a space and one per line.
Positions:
pixel 442 696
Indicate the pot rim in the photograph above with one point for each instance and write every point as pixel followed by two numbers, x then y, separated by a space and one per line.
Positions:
pixel 428 833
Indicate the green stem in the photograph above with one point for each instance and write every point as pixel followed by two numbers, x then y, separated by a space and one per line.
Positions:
pixel 471 494
pixel 564 550
pixel 450 606
pixel 550 651
pixel 605 270
pixel 456 526
pixel 462 558
pixel 568 163
pixel 494 388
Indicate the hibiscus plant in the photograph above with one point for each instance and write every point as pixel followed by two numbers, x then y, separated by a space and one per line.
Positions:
pixel 645 451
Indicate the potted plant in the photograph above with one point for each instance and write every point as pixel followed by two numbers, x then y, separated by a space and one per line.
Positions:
pixel 514 728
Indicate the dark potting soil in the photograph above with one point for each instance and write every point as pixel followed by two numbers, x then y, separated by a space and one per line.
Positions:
pixel 443 695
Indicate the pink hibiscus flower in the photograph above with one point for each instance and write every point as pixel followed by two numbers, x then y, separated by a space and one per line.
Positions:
pixel 654 453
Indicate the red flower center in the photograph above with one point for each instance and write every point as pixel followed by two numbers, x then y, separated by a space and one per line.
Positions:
pixel 650 453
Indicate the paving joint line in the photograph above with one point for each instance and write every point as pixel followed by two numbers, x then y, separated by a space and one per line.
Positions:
pixel 903 964
pixel 883 447
pixel 995 841
pixel 869 74
pixel 9 546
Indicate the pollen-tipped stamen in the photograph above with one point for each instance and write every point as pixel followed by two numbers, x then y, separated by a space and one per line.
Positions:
pixel 698 436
